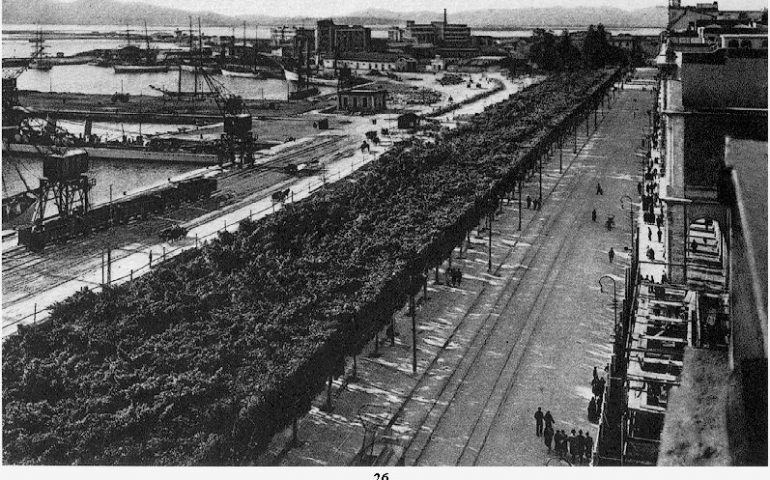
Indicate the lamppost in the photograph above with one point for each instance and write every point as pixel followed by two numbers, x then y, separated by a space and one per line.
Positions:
pixel 614 298
pixel 630 215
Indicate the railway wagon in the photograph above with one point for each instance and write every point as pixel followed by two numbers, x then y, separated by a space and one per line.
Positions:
pixel 123 211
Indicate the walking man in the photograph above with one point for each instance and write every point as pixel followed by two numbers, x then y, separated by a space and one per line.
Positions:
pixel 572 446
pixel 611 254
pixel 660 234
pixel 649 234
pixel 549 421
pixel 548 437
pixel 639 188
pixel 529 201
pixel 599 190
pixel 588 447
pixel 538 422
pixel 593 215
pixel 579 446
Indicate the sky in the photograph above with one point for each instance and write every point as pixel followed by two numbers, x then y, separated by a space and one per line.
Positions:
pixel 315 8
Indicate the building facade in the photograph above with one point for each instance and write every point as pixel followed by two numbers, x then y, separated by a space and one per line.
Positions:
pixel 362 100
pixel 333 39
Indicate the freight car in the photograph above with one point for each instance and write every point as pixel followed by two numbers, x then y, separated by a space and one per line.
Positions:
pixel 123 211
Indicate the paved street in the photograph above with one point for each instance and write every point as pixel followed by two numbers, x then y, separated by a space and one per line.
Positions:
pixel 493 350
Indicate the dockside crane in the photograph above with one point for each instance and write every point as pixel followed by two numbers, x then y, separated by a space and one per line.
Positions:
pixel 237 143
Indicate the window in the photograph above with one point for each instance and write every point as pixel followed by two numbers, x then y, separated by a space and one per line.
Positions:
pixel 363 102
pixel 732 44
pixel 746 44
pixel 764 43
pixel 355 102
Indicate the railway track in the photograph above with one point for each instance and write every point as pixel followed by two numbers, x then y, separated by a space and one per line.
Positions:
pixel 533 270
pixel 28 273
pixel 424 430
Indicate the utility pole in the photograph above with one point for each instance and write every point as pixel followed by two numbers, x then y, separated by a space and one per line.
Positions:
pixel 540 167
pixel 519 202
pixel 489 267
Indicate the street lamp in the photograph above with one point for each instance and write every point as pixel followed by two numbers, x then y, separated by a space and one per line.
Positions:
pixel 630 215
pixel 614 297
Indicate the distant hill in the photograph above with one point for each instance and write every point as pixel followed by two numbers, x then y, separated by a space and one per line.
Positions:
pixel 528 17
pixel 110 12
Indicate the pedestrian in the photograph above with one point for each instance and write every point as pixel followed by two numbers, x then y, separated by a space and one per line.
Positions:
pixel 538 422
pixel 563 444
pixel 588 447
pixel 602 383
pixel 593 215
pixel 571 445
pixel 557 442
pixel 694 246
pixel 595 374
pixel 459 277
pixel 611 254
pixel 592 410
pixel 599 190
pixel 664 278
pixel 660 235
pixel 579 445
pixel 529 201
pixel 548 437
pixel 549 421
pixel 639 188
pixel 649 234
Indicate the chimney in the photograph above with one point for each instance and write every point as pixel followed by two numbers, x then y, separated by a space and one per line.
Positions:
pixel 445 16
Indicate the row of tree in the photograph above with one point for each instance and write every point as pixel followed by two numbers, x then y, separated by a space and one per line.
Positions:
pixel 551 53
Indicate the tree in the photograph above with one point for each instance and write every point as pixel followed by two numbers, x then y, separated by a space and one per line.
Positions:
pixel 543 51
pixel 569 55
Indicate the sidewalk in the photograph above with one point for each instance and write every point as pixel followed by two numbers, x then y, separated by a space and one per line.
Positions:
pixel 448 321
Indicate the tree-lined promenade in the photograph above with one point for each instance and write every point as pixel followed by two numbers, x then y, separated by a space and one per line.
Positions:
pixel 203 360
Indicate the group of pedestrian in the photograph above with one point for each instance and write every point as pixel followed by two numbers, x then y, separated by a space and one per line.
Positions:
pixel 454 276
pixel 535 203
pixel 576 447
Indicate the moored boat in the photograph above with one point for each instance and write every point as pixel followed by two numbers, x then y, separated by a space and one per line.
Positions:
pixel 242 71
pixel 140 68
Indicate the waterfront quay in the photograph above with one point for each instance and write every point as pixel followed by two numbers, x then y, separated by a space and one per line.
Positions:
pixel 35 280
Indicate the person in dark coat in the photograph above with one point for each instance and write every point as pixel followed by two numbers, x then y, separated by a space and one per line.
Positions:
pixel 639 188
pixel 579 446
pixel 588 447
pixel 593 215
pixel 548 437
pixel 592 410
pixel 572 446
pixel 549 421
pixel 649 234
pixel 538 422
pixel 558 442
pixel 660 234
pixel 599 190
pixel 602 383
pixel 529 201
pixel 611 254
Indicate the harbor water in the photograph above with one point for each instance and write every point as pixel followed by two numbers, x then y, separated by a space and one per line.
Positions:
pixel 123 176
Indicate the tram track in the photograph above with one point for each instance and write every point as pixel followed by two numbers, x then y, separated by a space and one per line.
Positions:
pixel 440 404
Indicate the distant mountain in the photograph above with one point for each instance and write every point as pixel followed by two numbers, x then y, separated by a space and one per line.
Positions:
pixel 529 17
pixel 110 12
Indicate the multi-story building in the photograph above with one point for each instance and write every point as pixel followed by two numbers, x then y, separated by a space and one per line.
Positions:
pixel 438 33
pixel 690 384
pixel 333 39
